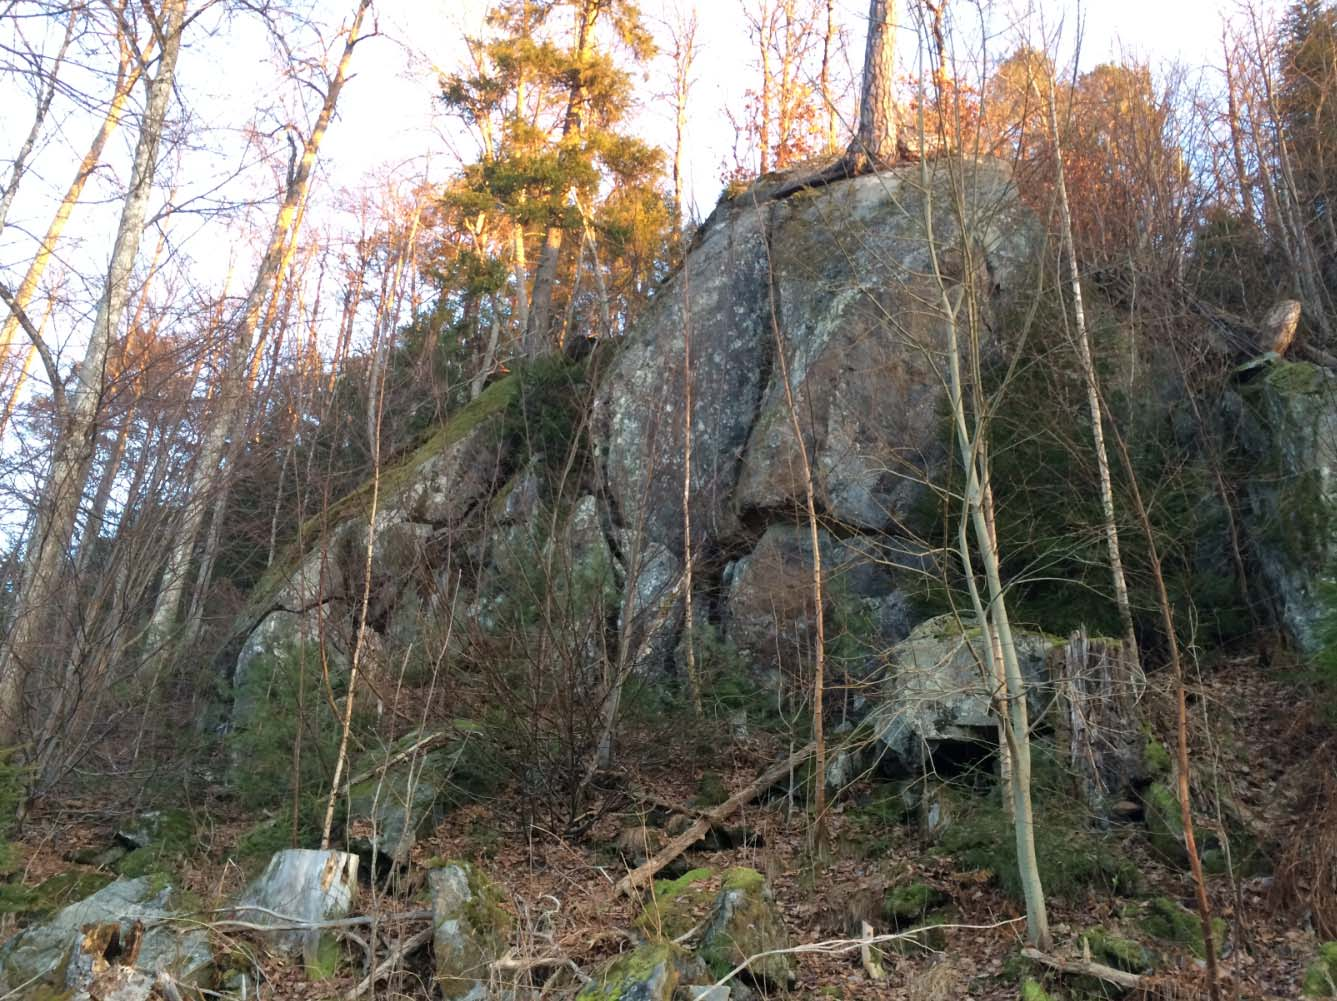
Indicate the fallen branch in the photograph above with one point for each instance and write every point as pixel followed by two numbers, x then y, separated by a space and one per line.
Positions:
pixel 429 742
pixel 286 922
pixel 1085 968
pixel 391 962
pixel 639 877
pixel 837 946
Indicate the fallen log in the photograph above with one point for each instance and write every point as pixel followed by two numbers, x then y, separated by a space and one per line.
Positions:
pixel 638 878
pixel 1086 968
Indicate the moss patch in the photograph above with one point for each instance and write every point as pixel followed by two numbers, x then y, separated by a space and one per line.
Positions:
pixel 1032 990
pixel 911 902
pixel 1320 979
pixel 41 901
pixel 1118 952
pixel 677 905
pixel 1168 921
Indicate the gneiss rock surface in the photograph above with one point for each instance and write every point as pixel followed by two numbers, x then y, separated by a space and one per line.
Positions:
pixel 839 279
pixel 937 690
pixel 52 953
pixel 303 886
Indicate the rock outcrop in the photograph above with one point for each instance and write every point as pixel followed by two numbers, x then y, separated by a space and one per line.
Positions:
pixel 937 691
pixel 1290 434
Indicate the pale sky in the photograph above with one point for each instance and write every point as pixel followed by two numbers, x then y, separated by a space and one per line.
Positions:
pixel 390 123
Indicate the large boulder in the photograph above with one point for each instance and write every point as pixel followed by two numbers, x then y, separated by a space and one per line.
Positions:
pixel 303 885
pixel 745 924
pixel 826 298
pixel 867 587
pixel 58 954
pixel 470 930
pixel 652 972
pixel 937 690
pixel 1290 433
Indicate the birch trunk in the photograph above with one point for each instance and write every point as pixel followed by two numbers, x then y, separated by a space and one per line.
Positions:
pixel 1093 401
pixel 58 507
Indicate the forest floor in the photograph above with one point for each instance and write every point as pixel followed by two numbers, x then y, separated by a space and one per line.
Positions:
pixel 559 887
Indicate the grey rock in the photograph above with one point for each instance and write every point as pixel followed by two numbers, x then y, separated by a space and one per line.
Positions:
pixel 651 972
pixel 303 885
pixel 1290 429
pixel 49 953
pixel 936 690
pixel 470 930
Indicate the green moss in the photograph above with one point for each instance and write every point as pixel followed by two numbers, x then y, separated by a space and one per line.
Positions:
pixel 911 902
pixel 1032 990
pixel 1296 378
pixel 1320 980
pixel 324 961
pixel 619 979
pixel 1167 921
pixel 744 879
pixel 1164 821
pixel 1120 953
pixel 1071 858
pixel 1156 758
pixel 49 896
pixel 711 790
pixel 677 905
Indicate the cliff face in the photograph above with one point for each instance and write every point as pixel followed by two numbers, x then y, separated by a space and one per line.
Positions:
pixel 832 288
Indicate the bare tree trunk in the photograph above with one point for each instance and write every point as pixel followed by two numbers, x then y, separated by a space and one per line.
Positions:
pixel 127 77
pixel 978 504
pixel 231 396
pixel 828 98
pixel 59 504
pixel 875 137
pixel 684 54
pixel 1093 399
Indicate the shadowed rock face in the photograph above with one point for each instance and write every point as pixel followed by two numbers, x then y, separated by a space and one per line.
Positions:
pixel 834 289
pixel 1290 432
pixel 828 298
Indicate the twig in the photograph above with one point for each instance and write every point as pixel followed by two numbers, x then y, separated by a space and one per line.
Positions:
pixel 1085 968
pixel 391 962
pixel 288 923
pixel 637 878
pixel 426 743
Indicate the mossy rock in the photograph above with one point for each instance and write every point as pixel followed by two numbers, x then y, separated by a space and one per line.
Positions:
pixel 49 896
pixel 1118 952
pixel 677 905
pixel 1320 980
pixel 471 928
pixel 651 972
pixel 1167 920
pixel 746 922
pixel 911 902
pixel 159 841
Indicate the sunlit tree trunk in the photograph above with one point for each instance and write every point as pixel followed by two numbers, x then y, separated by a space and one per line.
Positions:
pixel 231 397
pixel 538 331
pixel 58 506
pixel 875 136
